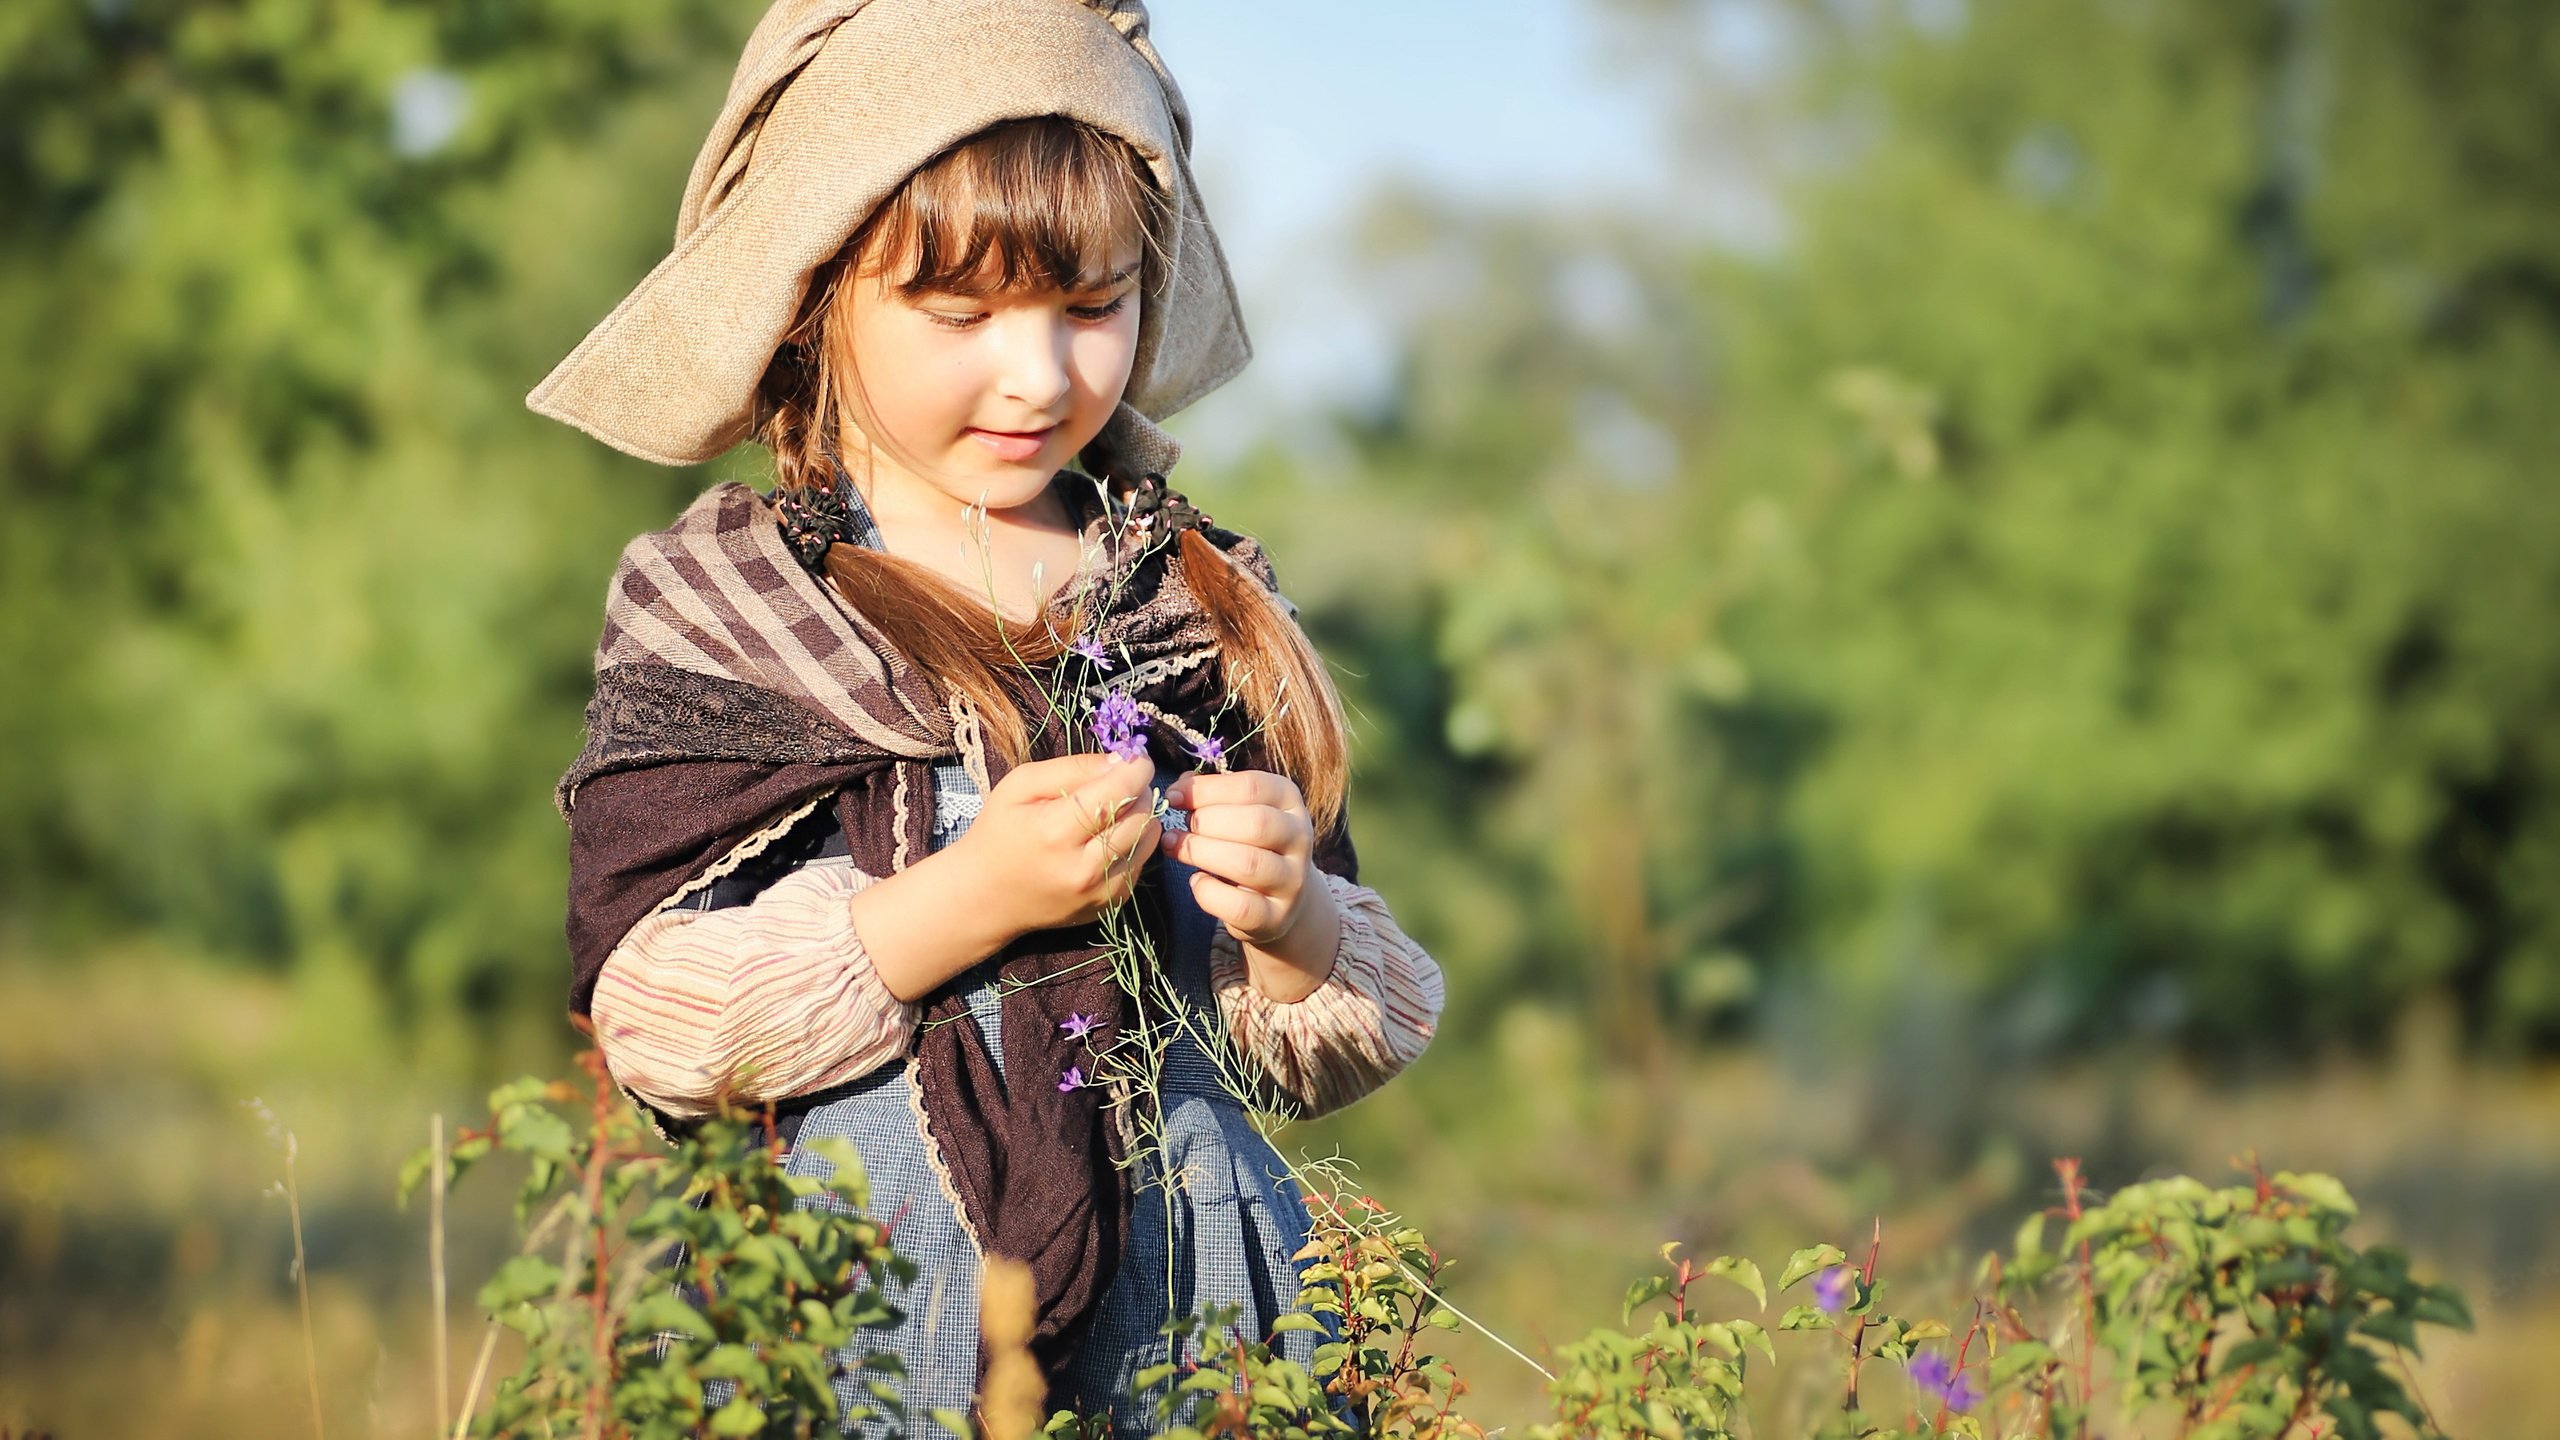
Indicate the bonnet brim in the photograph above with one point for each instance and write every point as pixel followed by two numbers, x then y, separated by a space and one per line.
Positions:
pixel 834 104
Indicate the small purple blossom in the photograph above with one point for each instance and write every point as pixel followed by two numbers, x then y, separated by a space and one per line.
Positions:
pixel 1210 750
pixel 1072 1080
pixel 1831 1288
pixel 1117 712
pixel 1092 650
pixel 1077 1025
pixel 1121 727
pixel 1935 1376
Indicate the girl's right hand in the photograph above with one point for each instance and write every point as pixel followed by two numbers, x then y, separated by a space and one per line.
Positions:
pixel 1057 842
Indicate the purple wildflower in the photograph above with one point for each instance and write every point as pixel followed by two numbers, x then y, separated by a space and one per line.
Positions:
pixel 1077 1025
pixel 1831 1288
pixel 1935 1376
pixel 1072 1080
pixel 1092 650
pixel 1121 727
pixel 1210 751
pixel 1117 712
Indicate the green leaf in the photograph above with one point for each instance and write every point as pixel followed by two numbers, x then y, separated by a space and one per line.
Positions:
pixel 957 1422
pixel 664 1310
pixel 1651 1287
pixel 413 1173
pixel 737 1418
pixel 1742 1273
pixel 2354 1421
pixel 1809 1261
pixel 524 1278
pixel 2017 1360
pixel 1751 1334
pixel 1805 1317
pixel 1297 1321
pixel 2030 1240
pixel 2321 1190
pixel 2441 1305
pixel 535 1131
pixel 2256 1350
pixel 2393 1327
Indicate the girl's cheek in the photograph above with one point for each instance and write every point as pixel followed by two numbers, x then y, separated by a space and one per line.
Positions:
pixel 1104 356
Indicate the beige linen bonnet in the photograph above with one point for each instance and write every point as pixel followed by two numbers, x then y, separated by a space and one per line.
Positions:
pixel 835 103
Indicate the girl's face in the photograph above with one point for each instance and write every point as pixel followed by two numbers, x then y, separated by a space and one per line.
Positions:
pixel 978 399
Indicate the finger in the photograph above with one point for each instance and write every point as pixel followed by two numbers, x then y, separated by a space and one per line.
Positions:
pixel 1056 776
pixel 1103 799
pixel 1257 825
pixel 1247 865
pixel 1125 835
pixel 1115 779
pixel 1120 876
pixel 1246 912
pixel 1199 790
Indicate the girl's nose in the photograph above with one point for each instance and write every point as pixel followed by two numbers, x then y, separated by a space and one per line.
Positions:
pixel 1035 359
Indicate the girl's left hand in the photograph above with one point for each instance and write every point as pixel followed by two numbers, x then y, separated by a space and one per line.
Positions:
pixel 1254 847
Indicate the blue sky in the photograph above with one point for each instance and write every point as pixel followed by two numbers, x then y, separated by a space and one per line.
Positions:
pixel 1301 111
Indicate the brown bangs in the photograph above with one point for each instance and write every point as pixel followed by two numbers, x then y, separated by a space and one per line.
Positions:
pixel 1038 204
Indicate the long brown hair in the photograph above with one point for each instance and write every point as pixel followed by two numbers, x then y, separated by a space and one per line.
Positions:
pixel 1042 204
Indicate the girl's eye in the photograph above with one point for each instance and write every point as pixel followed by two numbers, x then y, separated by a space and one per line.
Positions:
pixel 955 319
pixel 1100 312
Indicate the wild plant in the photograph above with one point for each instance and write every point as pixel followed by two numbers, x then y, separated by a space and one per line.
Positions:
pixel 690 1287
pixel 2171 1308
pixel 289 1189
pixel 667 1289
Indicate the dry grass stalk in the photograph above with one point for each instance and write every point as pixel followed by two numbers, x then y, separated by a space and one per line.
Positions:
pixel 1009 1406
pixel 435 1272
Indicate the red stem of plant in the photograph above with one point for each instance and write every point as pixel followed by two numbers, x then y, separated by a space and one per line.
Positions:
pixel 2069 1169
pixel 1858 1337
pixel 600 1115
pixel 1939 1421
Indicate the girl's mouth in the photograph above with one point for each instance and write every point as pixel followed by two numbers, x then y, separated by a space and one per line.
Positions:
pixel 1013 445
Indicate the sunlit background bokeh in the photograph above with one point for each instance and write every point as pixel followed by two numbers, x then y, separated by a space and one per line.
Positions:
pixel 1926 587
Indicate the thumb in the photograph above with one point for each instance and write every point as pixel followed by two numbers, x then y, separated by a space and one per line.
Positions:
pixel 1064 772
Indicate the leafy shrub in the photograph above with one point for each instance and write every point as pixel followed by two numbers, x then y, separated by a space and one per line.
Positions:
pixel 774 1283
pixel 2213 1314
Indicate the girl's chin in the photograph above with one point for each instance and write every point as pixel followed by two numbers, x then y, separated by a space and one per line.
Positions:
pixel 999 487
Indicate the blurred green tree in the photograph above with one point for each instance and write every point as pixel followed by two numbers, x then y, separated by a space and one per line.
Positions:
pixel 2108 532
pixel 296 596
pixel 2183 628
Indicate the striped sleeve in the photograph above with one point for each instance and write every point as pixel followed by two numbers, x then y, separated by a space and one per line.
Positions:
pixel 758 1001
pixel 1368 1020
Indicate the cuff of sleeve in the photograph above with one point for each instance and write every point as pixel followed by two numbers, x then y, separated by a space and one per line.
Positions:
pixel 1367 1021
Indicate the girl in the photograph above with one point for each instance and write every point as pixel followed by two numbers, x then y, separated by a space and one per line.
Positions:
pixel 833 844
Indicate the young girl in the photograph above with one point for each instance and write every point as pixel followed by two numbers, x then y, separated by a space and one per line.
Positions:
pixel 833 844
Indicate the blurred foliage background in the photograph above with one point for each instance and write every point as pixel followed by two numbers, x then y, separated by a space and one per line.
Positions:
pixel 2053 654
